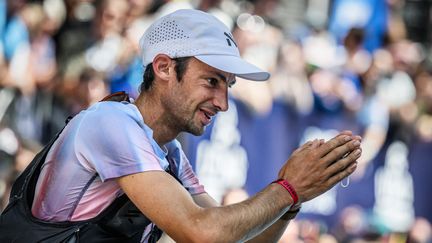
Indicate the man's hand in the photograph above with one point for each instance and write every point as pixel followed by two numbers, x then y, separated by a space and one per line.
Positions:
pixel 316 166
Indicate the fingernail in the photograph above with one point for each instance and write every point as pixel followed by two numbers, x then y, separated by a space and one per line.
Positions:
pixel 357 152
pixel 356 143
pixel 347 138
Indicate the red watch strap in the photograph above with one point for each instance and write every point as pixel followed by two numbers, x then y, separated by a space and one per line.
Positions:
pixel 289 188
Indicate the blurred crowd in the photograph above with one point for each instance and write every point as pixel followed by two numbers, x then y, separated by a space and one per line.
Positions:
pixel 362 65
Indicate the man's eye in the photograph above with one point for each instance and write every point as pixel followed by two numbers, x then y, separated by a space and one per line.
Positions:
pixel 230 84
pixel 212 81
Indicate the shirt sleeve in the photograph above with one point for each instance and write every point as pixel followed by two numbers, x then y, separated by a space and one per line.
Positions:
pixel 113 141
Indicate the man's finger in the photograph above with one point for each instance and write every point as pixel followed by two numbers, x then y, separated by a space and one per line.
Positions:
pixel 345 132
pixel 343 163
pixel 341 151
pixel 333 143
pixel 305 145
pixel 335 178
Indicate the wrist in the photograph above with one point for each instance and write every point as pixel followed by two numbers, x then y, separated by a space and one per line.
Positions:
pixel 290 189
pixel 291 214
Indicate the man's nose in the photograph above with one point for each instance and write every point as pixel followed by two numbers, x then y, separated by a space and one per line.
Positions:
pixel 220 100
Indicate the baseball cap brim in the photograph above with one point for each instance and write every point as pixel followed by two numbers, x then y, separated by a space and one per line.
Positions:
pixel 234 65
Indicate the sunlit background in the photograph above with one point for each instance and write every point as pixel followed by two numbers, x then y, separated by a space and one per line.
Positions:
pixel 360 65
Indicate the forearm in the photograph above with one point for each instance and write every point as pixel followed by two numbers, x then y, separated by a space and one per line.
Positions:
pixel 276 230
pixel 272 233
pixel 243 221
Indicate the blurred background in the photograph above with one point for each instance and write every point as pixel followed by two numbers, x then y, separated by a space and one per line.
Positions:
pixel 360 65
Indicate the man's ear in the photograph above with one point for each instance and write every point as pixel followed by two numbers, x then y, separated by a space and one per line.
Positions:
pixel 163 66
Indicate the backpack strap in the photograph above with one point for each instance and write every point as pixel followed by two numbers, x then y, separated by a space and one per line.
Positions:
pixel 118 96
pixel 23 181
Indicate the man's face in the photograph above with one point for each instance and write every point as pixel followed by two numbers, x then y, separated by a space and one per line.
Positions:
pixel 193 101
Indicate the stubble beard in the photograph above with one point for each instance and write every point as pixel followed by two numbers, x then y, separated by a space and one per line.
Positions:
pixel 183 117
pixel 190 126
pixel 182 122
pixel 194 129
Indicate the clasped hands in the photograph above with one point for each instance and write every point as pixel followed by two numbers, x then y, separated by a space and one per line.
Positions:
pixel 317 166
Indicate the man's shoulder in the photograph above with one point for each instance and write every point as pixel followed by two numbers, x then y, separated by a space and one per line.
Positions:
pixel 112 107
pixel 113 110
pixel 107 118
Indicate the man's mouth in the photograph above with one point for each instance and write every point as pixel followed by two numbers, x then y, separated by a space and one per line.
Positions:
pixel 207 115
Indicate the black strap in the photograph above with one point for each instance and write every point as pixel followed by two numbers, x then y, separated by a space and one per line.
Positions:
pixel 155 234
pixel 172 169
pixel 23 181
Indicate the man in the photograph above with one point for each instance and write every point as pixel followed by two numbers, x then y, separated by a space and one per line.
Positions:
pixel 116 148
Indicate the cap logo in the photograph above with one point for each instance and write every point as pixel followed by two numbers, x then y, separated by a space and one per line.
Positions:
pixel 229 39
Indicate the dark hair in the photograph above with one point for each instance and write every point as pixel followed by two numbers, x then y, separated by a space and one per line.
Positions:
pixel 148 77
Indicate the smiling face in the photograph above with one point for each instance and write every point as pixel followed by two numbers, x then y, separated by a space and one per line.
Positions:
pixel 191 102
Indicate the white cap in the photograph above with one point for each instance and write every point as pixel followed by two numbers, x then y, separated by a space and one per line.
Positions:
pixel 188 32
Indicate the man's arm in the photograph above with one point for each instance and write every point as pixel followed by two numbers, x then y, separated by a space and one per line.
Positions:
pixel 166 203
pixel 312 170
